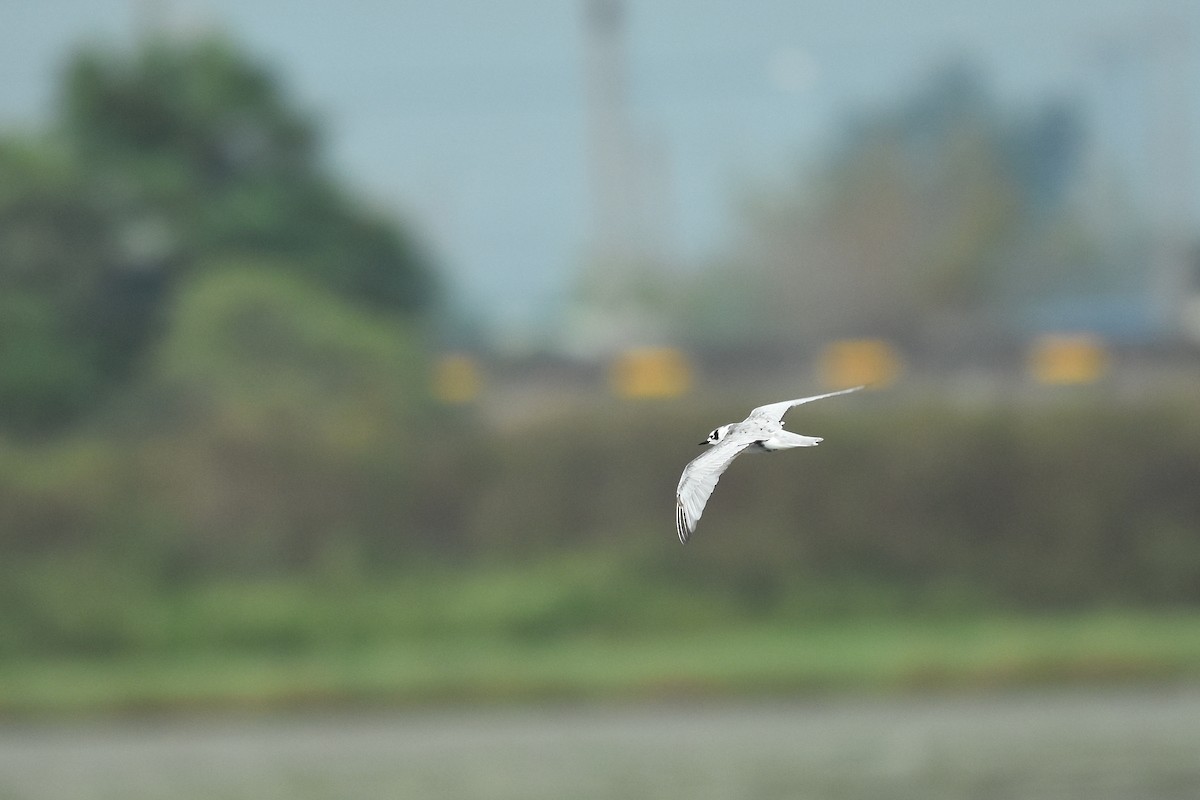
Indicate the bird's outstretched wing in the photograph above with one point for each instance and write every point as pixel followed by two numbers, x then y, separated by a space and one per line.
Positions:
pixel 775 411
pixel 699 479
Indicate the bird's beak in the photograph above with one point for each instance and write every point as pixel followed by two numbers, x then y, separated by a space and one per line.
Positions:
pixel 704 442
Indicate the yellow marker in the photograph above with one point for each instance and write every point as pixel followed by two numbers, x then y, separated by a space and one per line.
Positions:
pixel 1064 359
pixel 650 372
pixel 852 362
pixel 457 379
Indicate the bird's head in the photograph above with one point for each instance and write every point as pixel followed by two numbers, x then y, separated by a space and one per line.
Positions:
pixel 718 434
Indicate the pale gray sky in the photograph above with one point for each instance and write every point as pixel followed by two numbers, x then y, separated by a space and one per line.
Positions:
pixel 468 115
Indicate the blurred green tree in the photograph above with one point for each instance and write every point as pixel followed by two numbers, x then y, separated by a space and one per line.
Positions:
pixel 165 159
pixel 65 322
pixel 200 145
pixel 277 421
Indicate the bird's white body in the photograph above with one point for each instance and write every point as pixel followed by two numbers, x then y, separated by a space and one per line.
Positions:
pixel 761 432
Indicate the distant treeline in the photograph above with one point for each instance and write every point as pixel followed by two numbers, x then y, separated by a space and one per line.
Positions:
pixel 1059 504
pixel 901 508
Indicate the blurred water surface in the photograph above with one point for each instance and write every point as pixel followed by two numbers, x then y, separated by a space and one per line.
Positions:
pixel 1030 745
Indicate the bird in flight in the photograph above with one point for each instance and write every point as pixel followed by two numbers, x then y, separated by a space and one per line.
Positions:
pixel 761 432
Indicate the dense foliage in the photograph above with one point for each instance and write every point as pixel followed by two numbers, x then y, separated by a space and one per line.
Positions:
pixel 902 508
pixel 162 163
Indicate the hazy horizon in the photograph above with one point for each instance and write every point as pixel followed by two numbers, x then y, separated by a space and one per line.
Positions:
pixel 469 118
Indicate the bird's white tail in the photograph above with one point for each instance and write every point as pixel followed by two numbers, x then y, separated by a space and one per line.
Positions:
pixel 785 440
